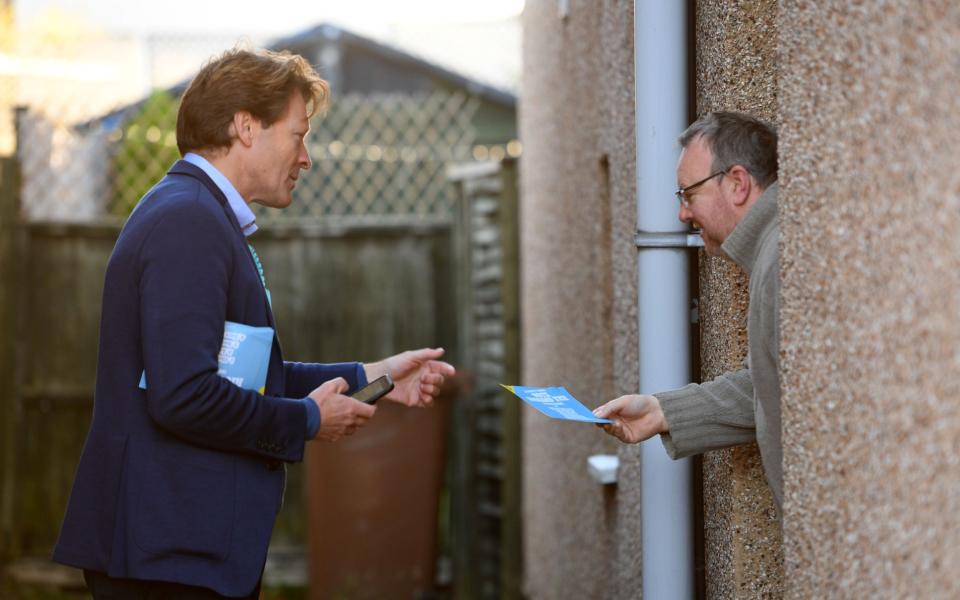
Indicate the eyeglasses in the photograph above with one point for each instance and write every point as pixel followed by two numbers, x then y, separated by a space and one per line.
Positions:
pixel 683 194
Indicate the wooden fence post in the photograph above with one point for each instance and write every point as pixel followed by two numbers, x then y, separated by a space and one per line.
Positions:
pixel 10 246
pixel 511 542
pixel 486 482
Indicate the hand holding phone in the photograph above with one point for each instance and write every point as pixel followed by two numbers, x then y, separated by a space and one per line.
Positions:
pixel 340 415
pixel 374 390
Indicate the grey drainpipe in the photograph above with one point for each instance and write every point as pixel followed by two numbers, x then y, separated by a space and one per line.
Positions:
pixel 660 37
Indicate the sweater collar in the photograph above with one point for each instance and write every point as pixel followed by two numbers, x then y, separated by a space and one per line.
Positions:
pixel 743 243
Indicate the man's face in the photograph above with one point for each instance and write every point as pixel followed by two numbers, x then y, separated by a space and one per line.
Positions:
pixel 279 154
pixel 710 210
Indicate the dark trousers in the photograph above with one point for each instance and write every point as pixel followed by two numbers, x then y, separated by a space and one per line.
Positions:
pixel 104 587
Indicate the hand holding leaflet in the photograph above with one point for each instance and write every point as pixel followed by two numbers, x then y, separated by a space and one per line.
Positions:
pixel 555 402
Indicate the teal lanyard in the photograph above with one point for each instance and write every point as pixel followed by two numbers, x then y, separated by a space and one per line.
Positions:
pixel 263 280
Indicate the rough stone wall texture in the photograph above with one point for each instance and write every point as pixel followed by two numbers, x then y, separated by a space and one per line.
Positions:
pixel 736 70
pixel 578 287
pixel 870 336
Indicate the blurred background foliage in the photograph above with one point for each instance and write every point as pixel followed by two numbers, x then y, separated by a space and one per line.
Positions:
pixel 147 146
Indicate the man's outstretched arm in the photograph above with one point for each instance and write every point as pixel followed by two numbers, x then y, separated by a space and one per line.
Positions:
pixel 691 420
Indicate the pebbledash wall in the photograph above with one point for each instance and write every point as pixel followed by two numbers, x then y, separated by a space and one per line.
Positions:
pixel 736 69
pixel 865 95
pixel 869 259
pixel 578 287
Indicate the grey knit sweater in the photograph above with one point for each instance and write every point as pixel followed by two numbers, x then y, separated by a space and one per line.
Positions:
pixel 741 406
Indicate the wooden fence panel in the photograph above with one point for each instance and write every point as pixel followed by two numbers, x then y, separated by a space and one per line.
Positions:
pixel 361 295
pixel 358 295
pixel 56 337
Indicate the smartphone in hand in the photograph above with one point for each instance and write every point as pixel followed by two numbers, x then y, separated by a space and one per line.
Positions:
pixel 374 390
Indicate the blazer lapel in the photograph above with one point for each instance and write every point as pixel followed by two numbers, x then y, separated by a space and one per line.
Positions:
pixel 182 167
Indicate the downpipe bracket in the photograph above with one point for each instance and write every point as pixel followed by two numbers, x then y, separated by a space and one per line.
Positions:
pixel 676 239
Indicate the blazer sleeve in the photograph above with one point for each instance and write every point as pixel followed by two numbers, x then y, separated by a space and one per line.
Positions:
pixel 709 416
pixel 303 378
pixel 185 264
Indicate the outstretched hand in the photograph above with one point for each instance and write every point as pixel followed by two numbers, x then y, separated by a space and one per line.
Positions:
pixel 635 418
pixel 417 375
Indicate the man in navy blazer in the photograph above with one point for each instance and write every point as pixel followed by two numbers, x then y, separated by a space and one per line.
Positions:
pixel 179 484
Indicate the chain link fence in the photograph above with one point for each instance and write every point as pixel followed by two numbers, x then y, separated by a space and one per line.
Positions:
pixel 91 140
pixel 374 156
pixel 384 155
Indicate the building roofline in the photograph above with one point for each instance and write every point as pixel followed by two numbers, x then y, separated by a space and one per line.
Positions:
pixel 335 33
pixel 338 34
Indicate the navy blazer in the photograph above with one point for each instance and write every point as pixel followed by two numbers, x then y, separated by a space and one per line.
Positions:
pixel 182 481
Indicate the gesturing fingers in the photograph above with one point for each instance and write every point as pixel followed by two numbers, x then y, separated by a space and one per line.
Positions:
pixel 431 380
pixel 428 378
pixel 443 368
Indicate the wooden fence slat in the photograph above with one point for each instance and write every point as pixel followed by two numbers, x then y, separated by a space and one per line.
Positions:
pixel 9 260
pixel 511 544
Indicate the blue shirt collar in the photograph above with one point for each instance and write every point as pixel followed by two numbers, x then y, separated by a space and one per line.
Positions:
pixel 245 216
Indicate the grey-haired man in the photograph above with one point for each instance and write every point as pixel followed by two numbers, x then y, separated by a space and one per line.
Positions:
pixel 727 178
